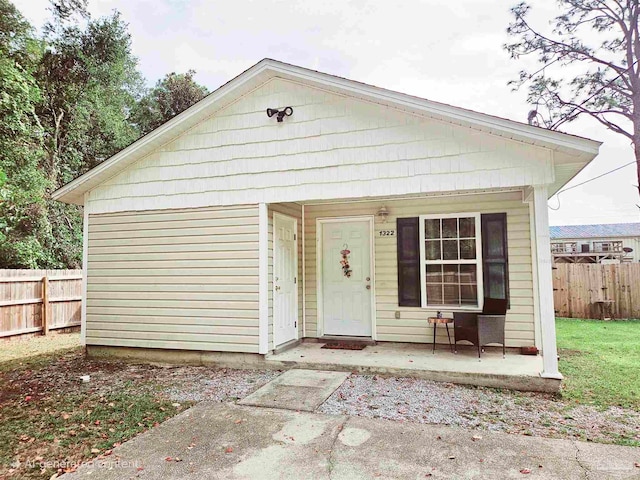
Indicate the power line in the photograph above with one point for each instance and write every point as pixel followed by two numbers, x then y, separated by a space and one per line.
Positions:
pixel 587 181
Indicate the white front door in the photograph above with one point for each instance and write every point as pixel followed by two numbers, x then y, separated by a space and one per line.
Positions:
pixel 285 266
pixel 347 294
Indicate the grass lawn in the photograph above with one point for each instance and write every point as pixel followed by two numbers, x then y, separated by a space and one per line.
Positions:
pixel 600 361
pixel 50 420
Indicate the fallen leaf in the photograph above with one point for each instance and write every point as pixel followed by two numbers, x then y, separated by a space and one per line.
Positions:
pixel 525 471
pixel 95 450
pixel 97 422
pixel 27 398
pixel 168 459
pixel 65 416
pixel 476 437
pixel 229 450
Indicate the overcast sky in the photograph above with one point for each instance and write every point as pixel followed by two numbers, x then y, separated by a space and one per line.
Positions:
pixel 451 54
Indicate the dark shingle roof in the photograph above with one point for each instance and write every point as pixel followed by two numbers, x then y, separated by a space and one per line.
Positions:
pixel 596 231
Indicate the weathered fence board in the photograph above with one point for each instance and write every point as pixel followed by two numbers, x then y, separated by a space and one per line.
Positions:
pixel 30 304
pixel 581 289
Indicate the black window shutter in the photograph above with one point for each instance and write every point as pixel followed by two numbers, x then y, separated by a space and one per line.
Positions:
pixel 495 256
pixel 408 262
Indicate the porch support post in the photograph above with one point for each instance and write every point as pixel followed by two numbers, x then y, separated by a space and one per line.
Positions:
pixel 545 283
pixel 85 259
pixel 263 278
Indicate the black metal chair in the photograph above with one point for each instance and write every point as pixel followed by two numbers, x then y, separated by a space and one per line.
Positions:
pixel 482 328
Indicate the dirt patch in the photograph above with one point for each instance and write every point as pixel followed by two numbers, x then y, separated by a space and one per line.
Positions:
pixel 51 418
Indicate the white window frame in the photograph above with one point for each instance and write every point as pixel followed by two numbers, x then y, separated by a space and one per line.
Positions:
pixel 478 261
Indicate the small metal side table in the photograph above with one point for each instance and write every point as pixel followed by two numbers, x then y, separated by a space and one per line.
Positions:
pixel 435 321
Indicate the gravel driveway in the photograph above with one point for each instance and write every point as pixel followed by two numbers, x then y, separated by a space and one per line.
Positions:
pixel 413 400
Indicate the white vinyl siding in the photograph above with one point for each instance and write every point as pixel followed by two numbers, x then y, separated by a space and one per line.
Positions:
pixel 412 325
pixel 176 279
pixel 332 147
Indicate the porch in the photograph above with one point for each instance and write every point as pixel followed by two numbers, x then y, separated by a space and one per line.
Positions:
pixel 518 372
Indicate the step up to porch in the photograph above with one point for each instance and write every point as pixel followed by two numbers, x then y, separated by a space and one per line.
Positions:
pixel 297 389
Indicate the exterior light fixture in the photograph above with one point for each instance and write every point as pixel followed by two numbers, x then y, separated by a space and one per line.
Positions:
pixel 383 213
pixel 286 111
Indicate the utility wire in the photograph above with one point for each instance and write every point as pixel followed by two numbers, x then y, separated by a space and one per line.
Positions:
pixel 587 181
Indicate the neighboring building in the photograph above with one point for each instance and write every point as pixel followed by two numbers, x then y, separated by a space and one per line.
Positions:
pixel 604 243
pixel 362 213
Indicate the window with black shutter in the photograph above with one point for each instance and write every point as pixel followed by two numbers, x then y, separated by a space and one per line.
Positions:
pixel 408 262
pixel 452 260
pixel 495 258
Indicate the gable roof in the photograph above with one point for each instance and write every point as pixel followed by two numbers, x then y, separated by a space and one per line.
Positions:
pixel 572 153
pixel 596 231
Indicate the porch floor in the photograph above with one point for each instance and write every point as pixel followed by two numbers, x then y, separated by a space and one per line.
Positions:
pixel 518 372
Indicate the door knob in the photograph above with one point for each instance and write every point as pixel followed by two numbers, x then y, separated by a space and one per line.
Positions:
pixel 368 287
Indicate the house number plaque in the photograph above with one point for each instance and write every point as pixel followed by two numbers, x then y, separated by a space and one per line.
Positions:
pixel 387 233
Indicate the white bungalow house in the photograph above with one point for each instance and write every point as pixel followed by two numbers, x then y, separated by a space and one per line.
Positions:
pixel 355 211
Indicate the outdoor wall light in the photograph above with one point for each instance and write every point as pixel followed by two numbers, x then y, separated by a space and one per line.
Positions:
pixel 383 213
pixel 280 113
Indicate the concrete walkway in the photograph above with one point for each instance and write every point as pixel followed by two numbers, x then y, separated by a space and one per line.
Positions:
pixel 227 441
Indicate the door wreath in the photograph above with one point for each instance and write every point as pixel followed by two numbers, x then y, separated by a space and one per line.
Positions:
pixel 346 268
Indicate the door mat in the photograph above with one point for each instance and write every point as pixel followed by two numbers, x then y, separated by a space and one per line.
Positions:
pixel 344 346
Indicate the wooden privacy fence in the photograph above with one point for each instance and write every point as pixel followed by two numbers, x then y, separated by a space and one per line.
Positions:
pixel 39 300
pixel 582 290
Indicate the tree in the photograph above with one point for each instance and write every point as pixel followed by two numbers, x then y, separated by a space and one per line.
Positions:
pixel 90 83
pixel 589 65
pixel 171 95
pixel 22 184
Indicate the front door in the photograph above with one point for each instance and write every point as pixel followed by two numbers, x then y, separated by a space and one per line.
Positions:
pixel 346 277
pixel 285 309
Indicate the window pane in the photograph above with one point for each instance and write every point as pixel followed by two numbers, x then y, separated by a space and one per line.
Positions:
pixel 434 273
pixel 451 294
pixel 432 250
pixel 449 228
pixel 450 273
pixel 450 249
pixel 467 227
pixel 468 294
pixel 497 282
pixel 434 294
pixel 432 228
pixel 468 274
pixel 494 239
pixel 468 249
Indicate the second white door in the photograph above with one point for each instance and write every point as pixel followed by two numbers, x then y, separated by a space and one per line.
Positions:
pixel 285 284
pixel 346 277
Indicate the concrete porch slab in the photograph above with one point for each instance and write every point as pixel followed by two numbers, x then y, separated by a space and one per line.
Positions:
pixel 296 389
pixel 517 372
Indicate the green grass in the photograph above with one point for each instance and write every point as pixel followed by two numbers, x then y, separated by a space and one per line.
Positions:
pixel 43 420
pixel 600 361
